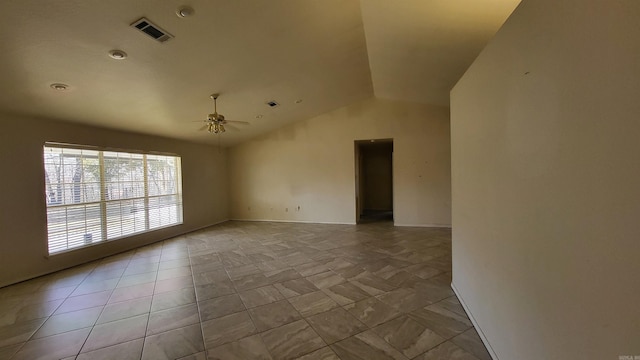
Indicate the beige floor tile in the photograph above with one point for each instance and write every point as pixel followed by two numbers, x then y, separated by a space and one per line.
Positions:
pixel 271 265
pixel 137 279
pixel 260 296
pixel 76 303
pixel 292 340
pixel 326 279
pixel 19 333
pixel 132 292
pixel 471 342
pixel 89 287
pixel 125 309
pixel 173 344
pixel 197 356
pixel 322 354
pixel 408 336
pixel 251 282
pixel 227 329
pixel 21 309
pixel 116 332
pixel 423 271
pixel 53 347
pixel 173 284
pixel 272 315
pixel 404 299
pixel 345 293
pixel 75 320
pixel 372 311
pixel 366 345
pixel 429 289
pixel 372 284
pixel 311 268
pixel 446 351
pixel 210 291
pixel 281 275
pixel 7 352
pixel 130 350
pixel 312 303
pixel 173 318
pixel 444 322
pixel 220 306
pixel 295 287
pixel 335 325
pixel 172 299
pixel 251 347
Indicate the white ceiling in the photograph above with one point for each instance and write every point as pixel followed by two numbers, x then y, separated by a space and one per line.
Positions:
pixel 328 53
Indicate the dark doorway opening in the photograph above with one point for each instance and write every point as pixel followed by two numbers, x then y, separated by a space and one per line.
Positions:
pixel 374 180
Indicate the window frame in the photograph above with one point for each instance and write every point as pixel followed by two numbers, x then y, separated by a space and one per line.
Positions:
pixel 165 218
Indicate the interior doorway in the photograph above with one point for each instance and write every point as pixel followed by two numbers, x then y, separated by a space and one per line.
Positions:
pixel 374 180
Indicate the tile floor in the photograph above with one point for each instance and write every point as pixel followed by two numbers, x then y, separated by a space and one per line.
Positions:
pixel 245 290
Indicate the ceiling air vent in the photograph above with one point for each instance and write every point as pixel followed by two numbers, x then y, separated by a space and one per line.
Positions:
pixel 152 30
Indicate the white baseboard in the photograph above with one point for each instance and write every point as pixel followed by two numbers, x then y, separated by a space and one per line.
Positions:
pixel 475 324
pixel 296 221
pixel 448 226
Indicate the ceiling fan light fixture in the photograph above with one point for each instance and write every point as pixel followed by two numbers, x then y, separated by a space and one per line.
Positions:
pixel 221 127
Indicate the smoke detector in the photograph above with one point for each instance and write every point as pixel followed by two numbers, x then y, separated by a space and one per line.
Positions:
pixel 117 54
pixel 59 86
pixel 184 11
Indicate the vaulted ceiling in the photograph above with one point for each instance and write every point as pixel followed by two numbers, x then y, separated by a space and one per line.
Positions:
pixel 326 53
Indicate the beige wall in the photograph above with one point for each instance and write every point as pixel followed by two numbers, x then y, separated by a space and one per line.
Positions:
pixel 23 229
pixel 311 164
pixel 546 174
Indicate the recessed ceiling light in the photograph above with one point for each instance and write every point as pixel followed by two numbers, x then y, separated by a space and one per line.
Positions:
pixel 59 86
pixel 117 54
pixel 259 116
pixel 298 101
pixel 184 11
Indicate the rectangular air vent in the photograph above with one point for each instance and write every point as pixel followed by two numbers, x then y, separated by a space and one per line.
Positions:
pixel 152 30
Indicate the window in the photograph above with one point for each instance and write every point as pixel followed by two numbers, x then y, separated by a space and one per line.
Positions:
pixel 95 195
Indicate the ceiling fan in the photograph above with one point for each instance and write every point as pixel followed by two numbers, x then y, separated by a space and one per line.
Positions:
pixel 215 123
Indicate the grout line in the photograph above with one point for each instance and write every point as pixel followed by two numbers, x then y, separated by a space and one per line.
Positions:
pixel 103 306
pixel 195 296
pixel 53 312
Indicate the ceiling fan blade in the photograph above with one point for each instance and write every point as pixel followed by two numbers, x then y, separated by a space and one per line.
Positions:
pixel 204 127
pixel 237 122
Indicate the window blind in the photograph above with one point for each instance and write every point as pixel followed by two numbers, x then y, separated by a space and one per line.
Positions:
pixel 98 195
